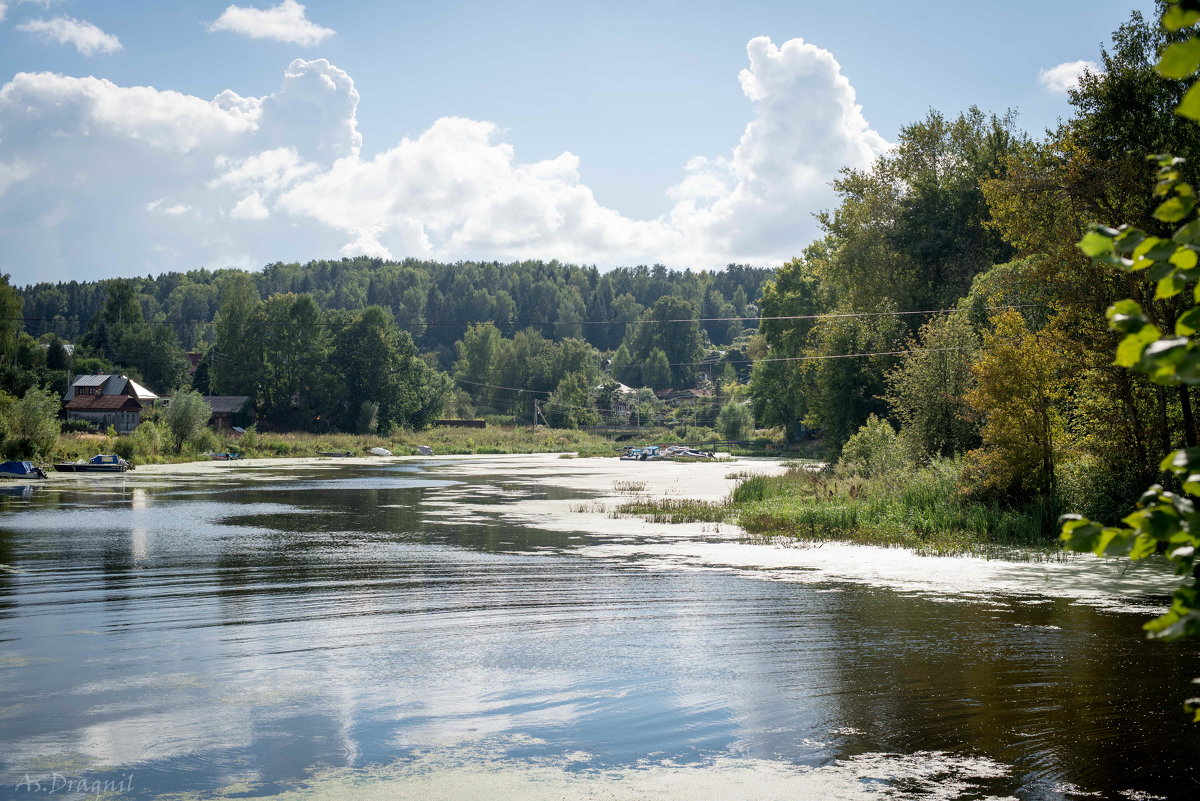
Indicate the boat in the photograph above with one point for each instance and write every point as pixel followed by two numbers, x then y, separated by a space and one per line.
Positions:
pixel 224 457
pixel 21 470
pixel 424 450
pixel 337 454
pixel 100 463
pixel 379 452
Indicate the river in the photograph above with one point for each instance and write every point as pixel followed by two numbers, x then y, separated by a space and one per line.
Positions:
pixel 447 629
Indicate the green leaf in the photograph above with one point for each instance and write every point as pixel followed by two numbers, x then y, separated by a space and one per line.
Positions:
pixel 1159 271
pixel 1095 244
pixel 1188 234
pixel 1170 286
pixel 1143 546
pixel 1176 18
pixel 1130 351
pixel 1079 534
pixel 1188 323
pixel 1126 316
pixel 1180 59
pixel 1189 106
pixel 1184 258
pixel 1174 209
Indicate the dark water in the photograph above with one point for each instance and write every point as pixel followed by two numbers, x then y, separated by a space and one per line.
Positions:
pixel 190 635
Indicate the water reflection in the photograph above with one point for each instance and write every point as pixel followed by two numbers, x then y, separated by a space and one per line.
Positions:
pixel 269 627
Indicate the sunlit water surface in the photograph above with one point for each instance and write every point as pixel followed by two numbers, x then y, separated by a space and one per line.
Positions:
pixel 334 633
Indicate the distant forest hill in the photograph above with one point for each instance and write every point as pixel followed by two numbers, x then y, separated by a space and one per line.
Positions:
pixel 434 302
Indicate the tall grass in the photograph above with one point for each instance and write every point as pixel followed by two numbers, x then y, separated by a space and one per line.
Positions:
pixel 922 507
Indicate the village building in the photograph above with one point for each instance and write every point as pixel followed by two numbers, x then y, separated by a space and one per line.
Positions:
pixel 108 399
pixel 229 411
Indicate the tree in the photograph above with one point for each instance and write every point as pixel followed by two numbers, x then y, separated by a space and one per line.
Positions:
pixel 10 317
pixel 1018 394
pixel 57 355
pixel 571 405
pixel 927 389
pixel 734 420
pixel 186 416
pixel 237 355
pixel 295 387
pixel 670 327
pixel 656 372
pixel 33 425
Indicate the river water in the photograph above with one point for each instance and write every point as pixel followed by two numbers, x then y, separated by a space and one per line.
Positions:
pixel 341 632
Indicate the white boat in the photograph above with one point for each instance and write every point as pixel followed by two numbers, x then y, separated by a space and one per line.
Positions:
pixel 379 452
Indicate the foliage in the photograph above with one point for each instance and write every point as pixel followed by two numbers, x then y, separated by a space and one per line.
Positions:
pixel 570 405
pixel 32 423
pixel 735 420
pixel 186 417
pixel 875 450
pixel 1019 397
pixel 927 389
pixel 1164 521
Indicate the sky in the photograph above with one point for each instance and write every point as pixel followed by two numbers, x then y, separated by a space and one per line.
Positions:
pixel 141 136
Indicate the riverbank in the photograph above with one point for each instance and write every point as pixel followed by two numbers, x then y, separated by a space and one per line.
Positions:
pixel 256 445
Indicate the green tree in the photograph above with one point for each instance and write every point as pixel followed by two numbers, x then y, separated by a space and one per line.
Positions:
pixel 237 358
pixel 571 404
pixel 734 420
pixel 656 372
pixel 186 417
pixel 671 327
pixel 295 387
pixel 927 390
pixel 1019 396
pixel 33 425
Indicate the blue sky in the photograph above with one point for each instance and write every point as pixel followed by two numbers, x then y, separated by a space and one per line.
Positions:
pixel 645 98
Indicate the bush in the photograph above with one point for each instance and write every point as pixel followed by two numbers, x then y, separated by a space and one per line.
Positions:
pixel 79 427
pixel 875 449
pixel 187 417
pixel 35 418
pixel 734 420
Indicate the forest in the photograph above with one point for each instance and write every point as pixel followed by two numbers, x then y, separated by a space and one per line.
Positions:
pixel 946 328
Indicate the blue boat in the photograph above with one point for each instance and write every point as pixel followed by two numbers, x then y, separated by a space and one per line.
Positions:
pixel 21 470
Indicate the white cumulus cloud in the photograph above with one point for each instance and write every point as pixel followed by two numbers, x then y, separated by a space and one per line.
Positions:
pixel 3 11
pixel 285 22
pixel 1061 78
pixel 86 160
pixel 86 37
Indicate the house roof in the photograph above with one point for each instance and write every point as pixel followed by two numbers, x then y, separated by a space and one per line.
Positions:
pixel 103 403
pixel 138 391
pixel 226 404
pixel 91 380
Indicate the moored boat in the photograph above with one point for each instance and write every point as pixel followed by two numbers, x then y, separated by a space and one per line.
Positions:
pixel 100 463
pixel 21 470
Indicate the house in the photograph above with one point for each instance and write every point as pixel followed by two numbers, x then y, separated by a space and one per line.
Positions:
pixel 108 399
pixel 229 411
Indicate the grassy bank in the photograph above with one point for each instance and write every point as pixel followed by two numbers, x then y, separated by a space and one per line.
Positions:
pixel 146 449
pixel 922 508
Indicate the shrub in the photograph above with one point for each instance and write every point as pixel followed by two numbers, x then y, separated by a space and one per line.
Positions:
pixel 874 450
pixel 734 420
pixel 187 417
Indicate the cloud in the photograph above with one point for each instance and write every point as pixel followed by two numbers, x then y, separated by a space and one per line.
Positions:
pixel 86 37
pixel 164 206
pixel 285 22
pixel 1062 78
pixel 3 11
pixel 87 159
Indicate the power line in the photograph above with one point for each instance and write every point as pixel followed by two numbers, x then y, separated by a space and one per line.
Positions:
pixel 533 324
